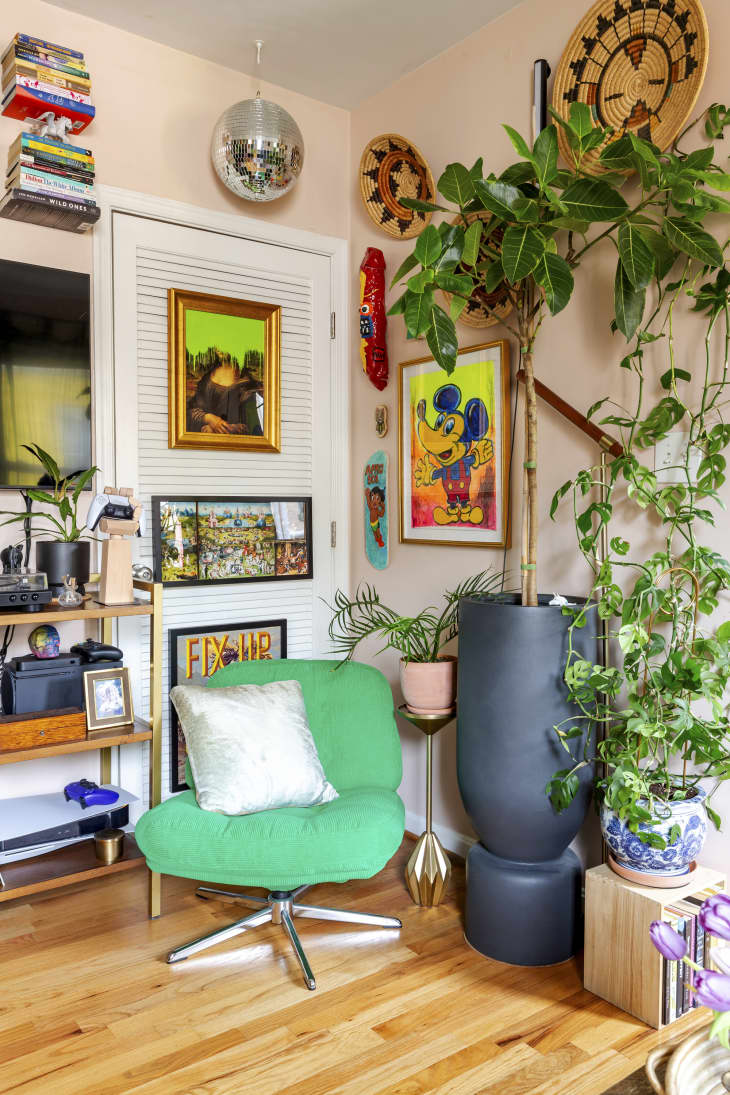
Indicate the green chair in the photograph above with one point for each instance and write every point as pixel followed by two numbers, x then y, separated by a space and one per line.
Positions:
pixel 350 713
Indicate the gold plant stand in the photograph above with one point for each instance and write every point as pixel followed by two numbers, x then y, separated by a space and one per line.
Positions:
pixel 428 870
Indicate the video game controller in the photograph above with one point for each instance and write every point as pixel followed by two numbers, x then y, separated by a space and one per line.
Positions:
pixel 92 651
pixel 88 793
pixel 116 506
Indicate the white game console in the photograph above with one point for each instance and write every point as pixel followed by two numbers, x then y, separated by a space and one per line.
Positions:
pixel 35 824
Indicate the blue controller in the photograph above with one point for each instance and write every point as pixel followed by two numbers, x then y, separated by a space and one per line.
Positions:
pixel 88 793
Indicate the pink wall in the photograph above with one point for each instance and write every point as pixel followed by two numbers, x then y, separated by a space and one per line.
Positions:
pixel 452 108
pixel 156 108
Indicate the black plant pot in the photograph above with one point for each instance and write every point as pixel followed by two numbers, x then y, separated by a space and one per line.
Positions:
pixel 523 902
pixel 57 558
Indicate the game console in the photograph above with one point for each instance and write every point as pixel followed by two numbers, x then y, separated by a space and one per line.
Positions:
pixel 116 507
pixel 35 824
pixel 30 684
pixel 24 590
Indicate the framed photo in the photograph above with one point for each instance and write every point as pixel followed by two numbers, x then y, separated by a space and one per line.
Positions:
pixel 454 449
pixel 224 358
pixel 205 540
pixel 196 653
pixel 108 698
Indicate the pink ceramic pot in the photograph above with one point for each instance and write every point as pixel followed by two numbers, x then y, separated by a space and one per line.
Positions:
pixel 429 688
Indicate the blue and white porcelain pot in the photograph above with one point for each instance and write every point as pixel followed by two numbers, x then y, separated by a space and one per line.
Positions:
pixel 629 851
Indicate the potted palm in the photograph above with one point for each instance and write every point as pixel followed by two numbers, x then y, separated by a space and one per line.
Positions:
pixel 536 222
pixel 427 675
pixel 69 550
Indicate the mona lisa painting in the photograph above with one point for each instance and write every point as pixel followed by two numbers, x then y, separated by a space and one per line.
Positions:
pixel 224 373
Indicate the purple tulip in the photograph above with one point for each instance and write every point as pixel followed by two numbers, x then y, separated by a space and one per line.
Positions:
pixel 715 915
pixel 668 942
pixel 712 989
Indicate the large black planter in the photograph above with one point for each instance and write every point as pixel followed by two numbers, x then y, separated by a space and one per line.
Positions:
pixel 523 902
pixel 57 558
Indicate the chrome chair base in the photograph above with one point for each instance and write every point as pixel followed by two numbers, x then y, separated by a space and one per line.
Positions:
pixel 280 907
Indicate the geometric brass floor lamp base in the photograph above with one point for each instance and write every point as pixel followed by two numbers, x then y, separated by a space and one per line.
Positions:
pixel 428 870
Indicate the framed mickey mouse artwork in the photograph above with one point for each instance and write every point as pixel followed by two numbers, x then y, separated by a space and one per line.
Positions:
pixel 454 443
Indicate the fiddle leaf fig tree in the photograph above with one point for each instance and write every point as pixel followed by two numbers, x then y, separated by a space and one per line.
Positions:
pixel 519 237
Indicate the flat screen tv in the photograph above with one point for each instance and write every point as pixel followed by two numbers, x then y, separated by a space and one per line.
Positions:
pixel 45 371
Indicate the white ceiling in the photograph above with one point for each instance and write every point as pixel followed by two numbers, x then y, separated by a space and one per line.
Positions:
pixel 338 51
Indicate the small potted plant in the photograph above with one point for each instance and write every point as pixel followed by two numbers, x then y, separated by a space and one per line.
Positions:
pixel 69 552
pixel 700 1063
pixel 427 677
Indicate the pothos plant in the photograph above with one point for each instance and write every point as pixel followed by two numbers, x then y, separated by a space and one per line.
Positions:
pixel 519 237
pixel 658 719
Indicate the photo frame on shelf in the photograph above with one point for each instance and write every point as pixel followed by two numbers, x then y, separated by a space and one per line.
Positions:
pixel 210 540
pixel 454 443
pixel 224 373
pixel 108 698
pixel 196 653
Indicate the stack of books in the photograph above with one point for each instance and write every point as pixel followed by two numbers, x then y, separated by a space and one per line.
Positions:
pixel 50 182
pixel 39 76
pixel 684 918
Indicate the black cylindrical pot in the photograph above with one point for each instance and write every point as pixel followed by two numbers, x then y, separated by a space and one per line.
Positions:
pixel 511 694
pixel 57 558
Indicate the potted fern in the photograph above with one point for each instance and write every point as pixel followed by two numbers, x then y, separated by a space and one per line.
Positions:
pixel 427 675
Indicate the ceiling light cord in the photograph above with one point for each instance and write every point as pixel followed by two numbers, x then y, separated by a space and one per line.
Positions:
pixel 259 46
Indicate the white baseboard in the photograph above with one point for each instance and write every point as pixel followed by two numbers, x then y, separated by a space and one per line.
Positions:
pixel 452 841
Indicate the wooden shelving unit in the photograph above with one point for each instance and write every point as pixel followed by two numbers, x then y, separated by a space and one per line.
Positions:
pixel 77 862
pixel 621 963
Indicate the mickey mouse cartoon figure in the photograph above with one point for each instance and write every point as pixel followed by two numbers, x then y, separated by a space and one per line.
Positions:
pixel 454 446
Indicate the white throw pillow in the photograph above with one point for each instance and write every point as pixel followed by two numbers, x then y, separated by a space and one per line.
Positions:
pixel 250 747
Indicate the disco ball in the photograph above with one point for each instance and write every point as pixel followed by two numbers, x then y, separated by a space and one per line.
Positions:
pixel 257 150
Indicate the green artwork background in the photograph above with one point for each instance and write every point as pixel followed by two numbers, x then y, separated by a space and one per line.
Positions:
pixel 232 334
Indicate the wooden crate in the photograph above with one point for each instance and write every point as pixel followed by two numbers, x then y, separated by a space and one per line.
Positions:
pixel 621 963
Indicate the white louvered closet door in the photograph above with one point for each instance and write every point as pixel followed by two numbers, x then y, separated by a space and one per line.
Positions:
pixel 151 257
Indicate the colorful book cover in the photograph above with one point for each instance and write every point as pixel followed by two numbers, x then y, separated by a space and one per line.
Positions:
pixel 40 43
pixel 50 146
pixel 375 482
pixel 28 56
pixel 52 182
pixel 63 170
pixel 50 191
pixel 34 84
pixel 27 106
pixel 49 75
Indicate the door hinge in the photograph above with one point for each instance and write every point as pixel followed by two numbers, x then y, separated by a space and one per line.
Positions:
pixel 333 325
pixel 333 534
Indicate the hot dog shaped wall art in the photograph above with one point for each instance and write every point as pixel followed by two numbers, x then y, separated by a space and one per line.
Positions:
pixel 373 323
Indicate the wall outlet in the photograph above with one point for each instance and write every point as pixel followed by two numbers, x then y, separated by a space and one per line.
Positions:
pixel 670 455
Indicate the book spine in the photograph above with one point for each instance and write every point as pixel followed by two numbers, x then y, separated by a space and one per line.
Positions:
pixel 31 57
pixel 40 43
pixel 673 978
pixel 666 991
pixel 692 944
pixel 55 182
pixel 33 84
pixel 39 163
pixel 52 202
pixel 31 95
pixel 49 75
pixel 59 150
pixel 24 186
pixel 681 969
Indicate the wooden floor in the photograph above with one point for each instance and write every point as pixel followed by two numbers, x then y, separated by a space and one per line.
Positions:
pixel 89 1007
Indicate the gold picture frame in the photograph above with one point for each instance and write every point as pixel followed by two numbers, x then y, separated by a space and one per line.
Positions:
pixel 441 500
pixel 108 698
pixel 240 411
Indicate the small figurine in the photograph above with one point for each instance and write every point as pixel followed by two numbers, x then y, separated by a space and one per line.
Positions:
pixel 69 597
pixel 48 125
pixel 381 420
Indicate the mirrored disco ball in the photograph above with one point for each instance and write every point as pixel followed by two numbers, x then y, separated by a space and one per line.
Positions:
pixel 257 150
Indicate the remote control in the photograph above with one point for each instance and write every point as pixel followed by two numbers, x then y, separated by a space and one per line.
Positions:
pixel 92 651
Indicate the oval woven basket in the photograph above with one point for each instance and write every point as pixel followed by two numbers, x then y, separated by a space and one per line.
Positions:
pixel 695 1066
pixel 479 313
pixel 638 64
pixel 392 168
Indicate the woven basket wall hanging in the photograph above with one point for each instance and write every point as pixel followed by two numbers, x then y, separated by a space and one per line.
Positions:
pixel 482 309
pixel 392 168
pixel 638 64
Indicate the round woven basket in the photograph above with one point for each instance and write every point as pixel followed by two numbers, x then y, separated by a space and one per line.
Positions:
pixel 392 168
pixel 695 1067
pixel 478 312
pixel 638 64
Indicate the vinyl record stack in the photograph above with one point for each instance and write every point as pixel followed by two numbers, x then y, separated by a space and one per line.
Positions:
pixel 49 180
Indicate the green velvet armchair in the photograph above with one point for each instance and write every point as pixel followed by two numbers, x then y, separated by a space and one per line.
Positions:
pixel 350 713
